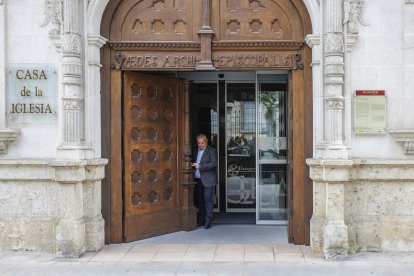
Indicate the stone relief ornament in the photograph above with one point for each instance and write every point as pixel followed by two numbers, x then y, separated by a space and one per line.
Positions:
pixel 353 10
pixel 335 104
pixel 71 43
pixel 334 43
pixel 119 60
pixel 54 15
pixel 71 105
pixel 297 63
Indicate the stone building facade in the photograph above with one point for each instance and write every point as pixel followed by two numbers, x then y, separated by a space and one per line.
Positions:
pixel 51 167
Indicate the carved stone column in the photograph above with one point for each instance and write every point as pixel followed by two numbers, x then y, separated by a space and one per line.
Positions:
pixel 189 214
pixel 333 146
pixel 332 225
pixel 73 139
pixel 206 34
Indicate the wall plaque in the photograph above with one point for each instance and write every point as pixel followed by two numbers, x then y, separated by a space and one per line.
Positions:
pixel 370 111
pixel 32 93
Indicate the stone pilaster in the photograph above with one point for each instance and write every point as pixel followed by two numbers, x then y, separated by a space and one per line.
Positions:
pixel 92 93
pixel 333 144
pixel 73 144
pixel 94 223
pixel 70 230
pixel 329 233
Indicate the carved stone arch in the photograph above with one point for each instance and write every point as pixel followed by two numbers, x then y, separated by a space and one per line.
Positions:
pixel 96 10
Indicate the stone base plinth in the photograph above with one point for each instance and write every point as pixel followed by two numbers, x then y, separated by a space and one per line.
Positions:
pixel 362 205
pixel 51 206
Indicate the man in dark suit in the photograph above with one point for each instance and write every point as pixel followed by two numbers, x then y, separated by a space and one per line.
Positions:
pixel 205 165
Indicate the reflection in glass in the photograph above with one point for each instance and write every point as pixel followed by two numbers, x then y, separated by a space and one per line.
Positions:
pixel 241 147
pixel 271 144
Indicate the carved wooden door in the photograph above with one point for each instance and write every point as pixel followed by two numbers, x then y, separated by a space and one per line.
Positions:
pixel 151 204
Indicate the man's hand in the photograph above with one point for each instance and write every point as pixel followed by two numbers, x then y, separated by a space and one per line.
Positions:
pixel 196 166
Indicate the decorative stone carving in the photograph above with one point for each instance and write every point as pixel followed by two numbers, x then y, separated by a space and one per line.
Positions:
pixel 406 137
pixel 334 43
pixel 313 40
pixel 71 44
pixel 7 136
pixel 54 15
pixel 353 10
pixel 297 64
pixel 335 104
pixel 119 60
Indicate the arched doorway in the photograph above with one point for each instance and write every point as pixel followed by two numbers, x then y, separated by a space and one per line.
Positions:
pixel 183 36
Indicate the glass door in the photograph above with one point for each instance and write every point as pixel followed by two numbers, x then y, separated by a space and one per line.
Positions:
pixel 271 156
pixel 240 147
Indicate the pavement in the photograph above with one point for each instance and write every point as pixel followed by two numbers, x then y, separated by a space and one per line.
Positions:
pixel 232 256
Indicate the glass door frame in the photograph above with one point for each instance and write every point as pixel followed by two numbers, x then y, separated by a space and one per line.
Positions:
pixel 280 77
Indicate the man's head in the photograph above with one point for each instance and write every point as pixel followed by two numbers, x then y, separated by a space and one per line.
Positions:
pixel 202 141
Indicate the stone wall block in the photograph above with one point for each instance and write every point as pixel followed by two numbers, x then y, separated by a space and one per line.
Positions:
pixel 398 234
pixel 319 199
pixel 369 235
pixel 335 239
pixel 69 174
pixel 12 234
pixel 41 232
pixel 338 174
pixel 352 232
pixel 21 199
pixel 24 170
pixel 70 201
pixel 385 172
pixel 70 238
pixel 91 198
pixel 316 233
pixel 94 233
pixel 95 170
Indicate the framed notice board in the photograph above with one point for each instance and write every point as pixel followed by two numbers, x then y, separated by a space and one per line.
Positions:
pixel 370 111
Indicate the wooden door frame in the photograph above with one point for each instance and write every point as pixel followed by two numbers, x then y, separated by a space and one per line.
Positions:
pixel 111 132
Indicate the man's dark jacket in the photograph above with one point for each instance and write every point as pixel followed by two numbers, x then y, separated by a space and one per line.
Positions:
pixel 208 166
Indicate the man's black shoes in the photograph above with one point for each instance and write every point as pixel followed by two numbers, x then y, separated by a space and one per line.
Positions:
pixel 200 223
pixel 207 225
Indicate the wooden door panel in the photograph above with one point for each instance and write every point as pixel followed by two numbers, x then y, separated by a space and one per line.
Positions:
pixel 150 156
